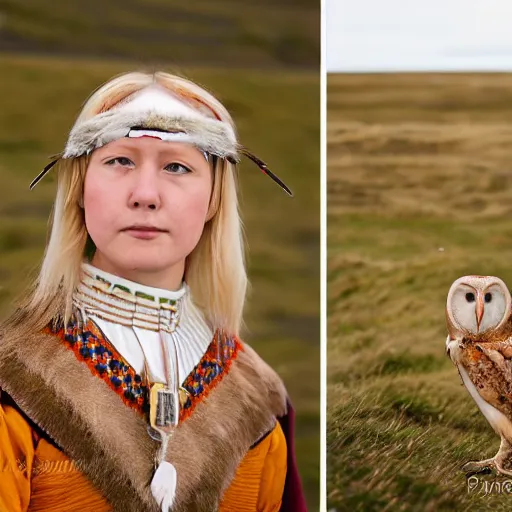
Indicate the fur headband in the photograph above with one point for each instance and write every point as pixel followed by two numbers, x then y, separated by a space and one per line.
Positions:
pixel 157 110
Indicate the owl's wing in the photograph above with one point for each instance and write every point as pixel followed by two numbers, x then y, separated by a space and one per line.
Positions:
pixel 489 366
pixel 447 344
pixel 453 352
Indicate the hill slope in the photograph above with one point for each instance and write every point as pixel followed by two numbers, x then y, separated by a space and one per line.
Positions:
pixel 419 179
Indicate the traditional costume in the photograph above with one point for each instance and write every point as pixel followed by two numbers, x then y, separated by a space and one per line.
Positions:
pixel 137 380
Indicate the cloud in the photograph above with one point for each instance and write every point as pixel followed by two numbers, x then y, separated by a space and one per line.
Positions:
pixel 401 35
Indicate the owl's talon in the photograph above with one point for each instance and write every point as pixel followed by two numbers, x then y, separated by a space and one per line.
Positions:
pixel 503 472
pixel 474 467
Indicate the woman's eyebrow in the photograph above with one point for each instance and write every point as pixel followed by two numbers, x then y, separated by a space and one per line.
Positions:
pixel 121 146
pixel 110 152
pixel 126 145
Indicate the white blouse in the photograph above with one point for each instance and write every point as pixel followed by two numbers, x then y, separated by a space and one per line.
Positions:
pixel 190 339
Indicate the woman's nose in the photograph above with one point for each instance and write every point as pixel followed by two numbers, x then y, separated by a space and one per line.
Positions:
pixel 145 193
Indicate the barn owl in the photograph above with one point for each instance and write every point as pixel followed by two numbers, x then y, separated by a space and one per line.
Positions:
pixel 478 314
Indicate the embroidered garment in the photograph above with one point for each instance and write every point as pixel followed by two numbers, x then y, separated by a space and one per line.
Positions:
pixel 204 446
pixel 130 315
pixel 35 473
pixel 93 348
pixel 244 396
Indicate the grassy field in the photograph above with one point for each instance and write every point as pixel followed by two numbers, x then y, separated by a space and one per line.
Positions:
pixel 225 32
pixel 39 101
pixel 419 193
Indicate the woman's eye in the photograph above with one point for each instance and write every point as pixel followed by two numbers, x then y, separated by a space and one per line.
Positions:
pixel 121 160
pixel 177 168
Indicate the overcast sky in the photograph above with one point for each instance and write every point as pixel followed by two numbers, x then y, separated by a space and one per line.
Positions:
pixel 414 35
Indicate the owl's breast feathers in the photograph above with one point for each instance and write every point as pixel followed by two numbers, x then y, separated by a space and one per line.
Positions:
pixel 489 367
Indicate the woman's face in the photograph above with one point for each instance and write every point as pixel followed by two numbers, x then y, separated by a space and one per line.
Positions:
pixel 146 202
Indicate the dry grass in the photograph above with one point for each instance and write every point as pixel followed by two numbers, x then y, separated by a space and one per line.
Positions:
pixel 226 32
pixel 419 177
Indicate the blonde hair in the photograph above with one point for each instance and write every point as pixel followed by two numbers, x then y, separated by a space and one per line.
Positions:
pixel 215 270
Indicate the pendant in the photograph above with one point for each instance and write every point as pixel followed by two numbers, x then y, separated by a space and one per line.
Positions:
pixel 164 407
pixel 164 413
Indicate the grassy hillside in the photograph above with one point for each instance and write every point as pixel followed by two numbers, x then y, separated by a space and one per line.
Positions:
pixel 39 101
pixel 419 193
pixel 226 32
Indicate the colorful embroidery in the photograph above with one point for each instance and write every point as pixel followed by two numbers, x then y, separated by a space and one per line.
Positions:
pixel 147 296
pixel 104 361
pixel 209 372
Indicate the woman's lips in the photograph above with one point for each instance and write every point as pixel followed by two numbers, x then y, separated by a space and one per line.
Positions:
pixel 143 232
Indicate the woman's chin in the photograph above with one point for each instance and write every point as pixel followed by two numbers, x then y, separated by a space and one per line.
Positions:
pixel 146 261
pixel 146 265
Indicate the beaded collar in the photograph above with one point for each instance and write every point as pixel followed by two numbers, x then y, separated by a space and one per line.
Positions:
pixel 127 303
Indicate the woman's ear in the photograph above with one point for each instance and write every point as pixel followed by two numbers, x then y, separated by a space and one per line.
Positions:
pixel 212 210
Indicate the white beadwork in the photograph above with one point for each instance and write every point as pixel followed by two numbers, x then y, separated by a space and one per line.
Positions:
pixel 123 317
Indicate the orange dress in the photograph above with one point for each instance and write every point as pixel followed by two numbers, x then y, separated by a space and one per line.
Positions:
pixel 34 473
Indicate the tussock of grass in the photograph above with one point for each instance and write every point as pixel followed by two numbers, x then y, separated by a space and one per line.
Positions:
pixel 419 180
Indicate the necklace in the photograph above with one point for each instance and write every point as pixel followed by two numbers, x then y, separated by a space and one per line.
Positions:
pixel 116 303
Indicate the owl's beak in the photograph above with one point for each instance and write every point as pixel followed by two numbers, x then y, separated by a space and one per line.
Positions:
pixel 479 311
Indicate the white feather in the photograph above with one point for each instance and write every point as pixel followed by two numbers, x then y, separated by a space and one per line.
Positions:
pixel 163 485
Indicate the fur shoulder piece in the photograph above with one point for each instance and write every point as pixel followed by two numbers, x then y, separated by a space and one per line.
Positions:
pixel 109 441
pixel 243 407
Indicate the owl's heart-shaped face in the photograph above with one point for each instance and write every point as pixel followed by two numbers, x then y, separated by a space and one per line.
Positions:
pixel 477 305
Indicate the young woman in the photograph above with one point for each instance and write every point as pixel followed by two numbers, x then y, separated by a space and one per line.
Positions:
pixel 124 385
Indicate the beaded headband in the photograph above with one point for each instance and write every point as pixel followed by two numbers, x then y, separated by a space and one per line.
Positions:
pixel 157 113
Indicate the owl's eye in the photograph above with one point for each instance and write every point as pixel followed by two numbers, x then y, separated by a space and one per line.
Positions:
pixel 488 297
pixel 470 297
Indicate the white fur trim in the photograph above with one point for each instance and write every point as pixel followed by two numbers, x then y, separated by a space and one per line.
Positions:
pixel 153 108
pixel 156 99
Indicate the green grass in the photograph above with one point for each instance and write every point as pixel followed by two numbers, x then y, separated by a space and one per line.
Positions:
pixel 419 180
pixel 40 99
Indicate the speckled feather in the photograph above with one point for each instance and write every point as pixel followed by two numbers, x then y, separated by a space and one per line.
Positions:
pixel 489 366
